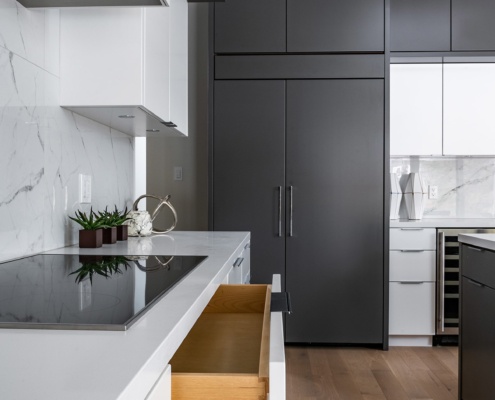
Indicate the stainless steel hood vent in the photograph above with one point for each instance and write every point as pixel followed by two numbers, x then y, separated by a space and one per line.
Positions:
pixel 90 3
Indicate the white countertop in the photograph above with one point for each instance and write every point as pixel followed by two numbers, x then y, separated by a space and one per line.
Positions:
pixel 444 223
pixel 107 365
pixel 484 240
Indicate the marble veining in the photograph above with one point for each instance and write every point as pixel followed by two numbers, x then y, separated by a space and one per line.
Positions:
pixel 466 185
pixel 44 147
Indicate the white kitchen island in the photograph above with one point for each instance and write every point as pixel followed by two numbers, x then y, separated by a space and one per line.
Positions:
pixel 107 365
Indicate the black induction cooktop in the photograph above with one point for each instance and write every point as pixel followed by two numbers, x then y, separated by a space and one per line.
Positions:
pixel 60 291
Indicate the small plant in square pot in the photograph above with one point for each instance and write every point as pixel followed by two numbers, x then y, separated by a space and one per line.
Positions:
pixel 91 234
pixel 109 226
pixel 121 217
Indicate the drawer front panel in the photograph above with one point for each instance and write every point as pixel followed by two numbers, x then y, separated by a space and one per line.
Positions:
pixel 277 349
pixel 478 265
pixel 413 239
pixel 413 266
pixel 412 309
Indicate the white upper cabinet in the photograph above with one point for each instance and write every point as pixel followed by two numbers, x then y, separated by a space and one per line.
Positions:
pixel 469 104
pixel 130 61
pixel 416 109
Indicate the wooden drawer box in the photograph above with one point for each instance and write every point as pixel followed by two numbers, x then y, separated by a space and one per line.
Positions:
pixel 226 353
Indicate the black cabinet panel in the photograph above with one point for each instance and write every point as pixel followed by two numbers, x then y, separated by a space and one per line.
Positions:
pixel 334 266
pixel 309 66
pixel 473 26
pixel 477 348
pixel 250 26
pixel 420 25
pixel 249 168
pixel 333 26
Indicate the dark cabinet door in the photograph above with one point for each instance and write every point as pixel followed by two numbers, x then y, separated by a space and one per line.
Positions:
pixel 472 25
pixel 420 25
pixel 253 26
pixel 249 169
pixel 332 26
pixel 334 255
pixel 477 347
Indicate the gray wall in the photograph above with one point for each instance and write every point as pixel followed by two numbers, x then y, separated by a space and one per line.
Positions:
pixel 189 196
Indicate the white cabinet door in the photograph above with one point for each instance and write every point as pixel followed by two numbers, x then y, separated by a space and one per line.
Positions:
pixel 119 61
pixel 162 390
pixel 412 308
pixel 413 239
pixel 469 104
pixel 416 109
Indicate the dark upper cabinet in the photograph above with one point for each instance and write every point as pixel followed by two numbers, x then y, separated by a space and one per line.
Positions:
pixel 420 25
pixel 335 26
pixel 473 26
pixel 254 26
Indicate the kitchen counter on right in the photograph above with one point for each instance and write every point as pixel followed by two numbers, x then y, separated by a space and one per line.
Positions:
pixel 443 223
pixel 477 311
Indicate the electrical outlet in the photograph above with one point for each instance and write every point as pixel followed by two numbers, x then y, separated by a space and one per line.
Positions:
pixel 432 192
pixel 84 188
pixel 177 173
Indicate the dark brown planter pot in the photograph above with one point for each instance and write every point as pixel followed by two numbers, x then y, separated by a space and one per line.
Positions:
pixel 90 239
pixel 122 232
pixel 110 235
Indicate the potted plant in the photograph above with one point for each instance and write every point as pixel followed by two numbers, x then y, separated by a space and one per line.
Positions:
pixel 110 226
pixel 121 217
pixel 91 236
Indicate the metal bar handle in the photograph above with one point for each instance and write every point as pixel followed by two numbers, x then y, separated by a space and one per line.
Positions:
pixel 291 210
pixel 411 283
pixel 412 251
pixel 238 262
pixel 280 211
pixel 476 249
pixel 475 283
pixel 441 280
pixel 412 229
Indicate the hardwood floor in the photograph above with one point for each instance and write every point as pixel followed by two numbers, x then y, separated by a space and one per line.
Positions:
pixel 402 373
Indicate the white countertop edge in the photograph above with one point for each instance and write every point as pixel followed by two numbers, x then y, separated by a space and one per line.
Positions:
pixel 483 240
pixel 444 223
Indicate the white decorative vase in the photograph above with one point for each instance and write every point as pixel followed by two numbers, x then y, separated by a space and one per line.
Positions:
pixel 415 196
pixel 395 196
pixel 140 223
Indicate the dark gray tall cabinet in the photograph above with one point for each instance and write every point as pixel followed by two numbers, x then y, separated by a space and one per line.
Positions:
pixel 298 158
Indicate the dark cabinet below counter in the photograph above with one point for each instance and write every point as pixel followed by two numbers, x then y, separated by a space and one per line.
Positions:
pixel 477 330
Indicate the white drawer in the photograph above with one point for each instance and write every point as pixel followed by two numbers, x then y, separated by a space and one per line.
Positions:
pixel 412 309
pixel 413 266
pixel 161 389
pixel 413 239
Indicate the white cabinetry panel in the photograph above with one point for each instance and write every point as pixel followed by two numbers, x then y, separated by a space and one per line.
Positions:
pixel 416 266
pixel 416 109
pixel 127 61
pixel 163 387
pixel 412 239
pixel 469 101
pixel 412 310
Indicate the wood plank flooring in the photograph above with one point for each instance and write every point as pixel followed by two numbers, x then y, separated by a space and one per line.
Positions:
pixel 402 373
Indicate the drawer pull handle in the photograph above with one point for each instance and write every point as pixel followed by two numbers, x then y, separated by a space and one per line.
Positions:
pixel 412 229
pixel 280 302
pixel 475 283
pixel 411 283
pixel 238 262
pixel 412 251
pixel 475 249
pixel 247 246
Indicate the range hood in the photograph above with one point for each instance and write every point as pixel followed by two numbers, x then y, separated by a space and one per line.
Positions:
pixel 90 3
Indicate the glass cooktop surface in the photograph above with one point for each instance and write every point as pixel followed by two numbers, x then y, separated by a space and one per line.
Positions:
pixel 60 291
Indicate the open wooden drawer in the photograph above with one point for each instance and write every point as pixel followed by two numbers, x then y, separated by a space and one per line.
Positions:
pixel 230 351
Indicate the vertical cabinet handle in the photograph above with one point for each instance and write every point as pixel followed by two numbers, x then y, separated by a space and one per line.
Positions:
pixel 280 211
pixel 291 210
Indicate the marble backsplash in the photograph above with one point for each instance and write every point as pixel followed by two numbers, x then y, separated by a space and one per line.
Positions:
pixel 43 147
pixel 466 185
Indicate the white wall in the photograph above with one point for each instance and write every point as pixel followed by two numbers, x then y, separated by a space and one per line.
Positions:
pixel 189 196
pixel 44 148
